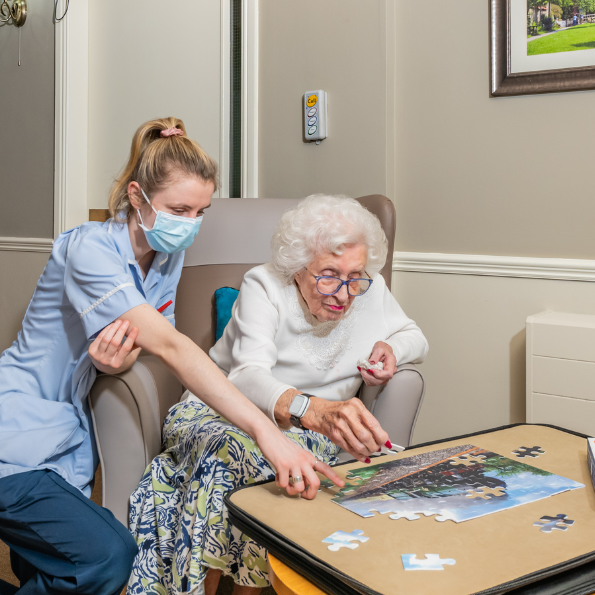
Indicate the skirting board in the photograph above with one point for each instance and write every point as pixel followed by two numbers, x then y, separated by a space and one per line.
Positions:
pixel 495 266
pixel 26 244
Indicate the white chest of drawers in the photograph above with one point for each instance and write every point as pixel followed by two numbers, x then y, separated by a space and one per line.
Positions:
pixel 561 370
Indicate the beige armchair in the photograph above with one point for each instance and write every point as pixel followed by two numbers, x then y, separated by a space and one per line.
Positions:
pixel 128 410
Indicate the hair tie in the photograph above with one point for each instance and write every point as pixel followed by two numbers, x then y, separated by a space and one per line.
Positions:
pixel 172 132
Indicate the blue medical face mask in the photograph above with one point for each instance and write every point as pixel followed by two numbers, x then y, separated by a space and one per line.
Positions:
pixel 170 233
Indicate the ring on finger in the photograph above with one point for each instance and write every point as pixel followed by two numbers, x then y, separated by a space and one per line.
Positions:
pixel 296 479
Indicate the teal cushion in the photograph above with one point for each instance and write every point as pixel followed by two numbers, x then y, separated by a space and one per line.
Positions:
pixel 224 300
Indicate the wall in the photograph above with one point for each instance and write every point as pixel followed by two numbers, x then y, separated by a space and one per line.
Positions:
pixel 475 370
pixel 338 46
pixel 26 159
pixel 149 61
pixel 27 147
pixel 506 176
pixel 482 176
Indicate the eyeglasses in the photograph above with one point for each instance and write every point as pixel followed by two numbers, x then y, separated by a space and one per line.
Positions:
pixel 331 285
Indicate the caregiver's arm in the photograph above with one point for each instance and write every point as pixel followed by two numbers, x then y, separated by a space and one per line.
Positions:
pixel 197 372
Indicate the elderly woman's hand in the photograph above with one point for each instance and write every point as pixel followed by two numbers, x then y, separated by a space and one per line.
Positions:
pixel 348 424
pixel 381 352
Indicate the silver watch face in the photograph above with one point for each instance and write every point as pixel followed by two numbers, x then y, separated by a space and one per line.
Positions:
pixel 297 404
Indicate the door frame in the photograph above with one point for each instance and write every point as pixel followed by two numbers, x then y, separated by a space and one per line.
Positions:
pixel 72 109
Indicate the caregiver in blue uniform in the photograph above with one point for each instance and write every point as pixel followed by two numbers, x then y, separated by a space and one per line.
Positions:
pixel 98 302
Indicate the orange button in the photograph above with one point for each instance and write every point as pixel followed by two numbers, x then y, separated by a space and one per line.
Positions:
pixel 311 101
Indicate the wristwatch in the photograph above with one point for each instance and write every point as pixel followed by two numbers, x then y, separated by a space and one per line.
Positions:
pixel 298 409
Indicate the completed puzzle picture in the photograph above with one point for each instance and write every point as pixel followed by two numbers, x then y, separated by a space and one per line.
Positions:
pixel 458 484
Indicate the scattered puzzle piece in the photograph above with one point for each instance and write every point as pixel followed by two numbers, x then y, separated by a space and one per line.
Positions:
pixel 559 522
pixel 525 451
pixel 431 562
pixel 341 539
pixel 467 460
pixel 485 492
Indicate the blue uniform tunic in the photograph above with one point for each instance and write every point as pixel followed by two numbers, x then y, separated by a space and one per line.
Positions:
pixel 90 280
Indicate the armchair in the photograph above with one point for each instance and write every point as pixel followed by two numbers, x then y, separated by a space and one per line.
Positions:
pixel 128 410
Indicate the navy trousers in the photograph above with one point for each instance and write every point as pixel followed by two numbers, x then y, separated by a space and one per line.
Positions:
pixel 60 541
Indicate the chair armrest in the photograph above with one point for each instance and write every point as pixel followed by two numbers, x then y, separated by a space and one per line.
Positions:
pixel 397 404
pixel 128 412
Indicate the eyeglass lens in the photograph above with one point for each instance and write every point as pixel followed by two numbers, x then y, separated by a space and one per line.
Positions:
pixel 329 285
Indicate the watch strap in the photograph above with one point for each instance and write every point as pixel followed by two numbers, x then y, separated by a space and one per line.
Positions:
pixel 296 421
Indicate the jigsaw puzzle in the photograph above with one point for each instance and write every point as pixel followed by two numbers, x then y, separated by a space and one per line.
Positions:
pixel 559 522
pixel 480 482
pixel 525 451
pixel 431 562
pixel 341 539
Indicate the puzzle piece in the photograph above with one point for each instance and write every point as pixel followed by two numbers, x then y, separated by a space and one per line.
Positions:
pixel 474 494
pixel 467 460
pixel 366 365
pixel 327 483
pixel 559 522
pixel 431 562
pixel 341 539
pixel 484 492
pixel 525 451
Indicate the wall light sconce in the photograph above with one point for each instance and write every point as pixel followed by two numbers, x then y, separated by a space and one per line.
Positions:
pixel 17 12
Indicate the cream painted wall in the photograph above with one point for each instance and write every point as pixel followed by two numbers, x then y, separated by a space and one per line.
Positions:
pixel 149 60
pixel 475 370
pixel 337 46
pixel 474 175
pixel 27 136
pixel 22 270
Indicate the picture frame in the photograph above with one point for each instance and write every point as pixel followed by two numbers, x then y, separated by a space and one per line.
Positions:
pixel 505 83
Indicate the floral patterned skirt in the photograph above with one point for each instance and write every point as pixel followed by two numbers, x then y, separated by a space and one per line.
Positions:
pixel 177 515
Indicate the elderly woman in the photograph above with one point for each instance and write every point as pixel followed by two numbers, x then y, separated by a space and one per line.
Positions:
pixel 299 328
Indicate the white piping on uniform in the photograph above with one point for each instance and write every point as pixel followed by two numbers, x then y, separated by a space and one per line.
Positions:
pixel 170 316
pixel 131 261
pixel 109 229
pixel 164 260
pixel 103 298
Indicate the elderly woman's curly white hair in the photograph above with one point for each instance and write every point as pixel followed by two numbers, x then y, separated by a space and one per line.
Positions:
pixel 322 224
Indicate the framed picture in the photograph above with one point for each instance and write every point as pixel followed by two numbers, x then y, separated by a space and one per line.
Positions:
pixel 541 47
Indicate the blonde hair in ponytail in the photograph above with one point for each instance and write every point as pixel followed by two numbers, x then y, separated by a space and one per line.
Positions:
pixel 154 159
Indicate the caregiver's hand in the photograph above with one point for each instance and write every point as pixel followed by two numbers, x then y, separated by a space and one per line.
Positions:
pixel 348 424
pixel 109 354
pixel 381 352
pixel 290 460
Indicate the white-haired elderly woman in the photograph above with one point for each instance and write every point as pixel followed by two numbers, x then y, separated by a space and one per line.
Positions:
pixel 298 329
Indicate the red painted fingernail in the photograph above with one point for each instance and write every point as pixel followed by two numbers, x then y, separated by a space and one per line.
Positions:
pixel 370 372
pixel 359 368
pixel 388 444
pixel 379 450
pixel 367 461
